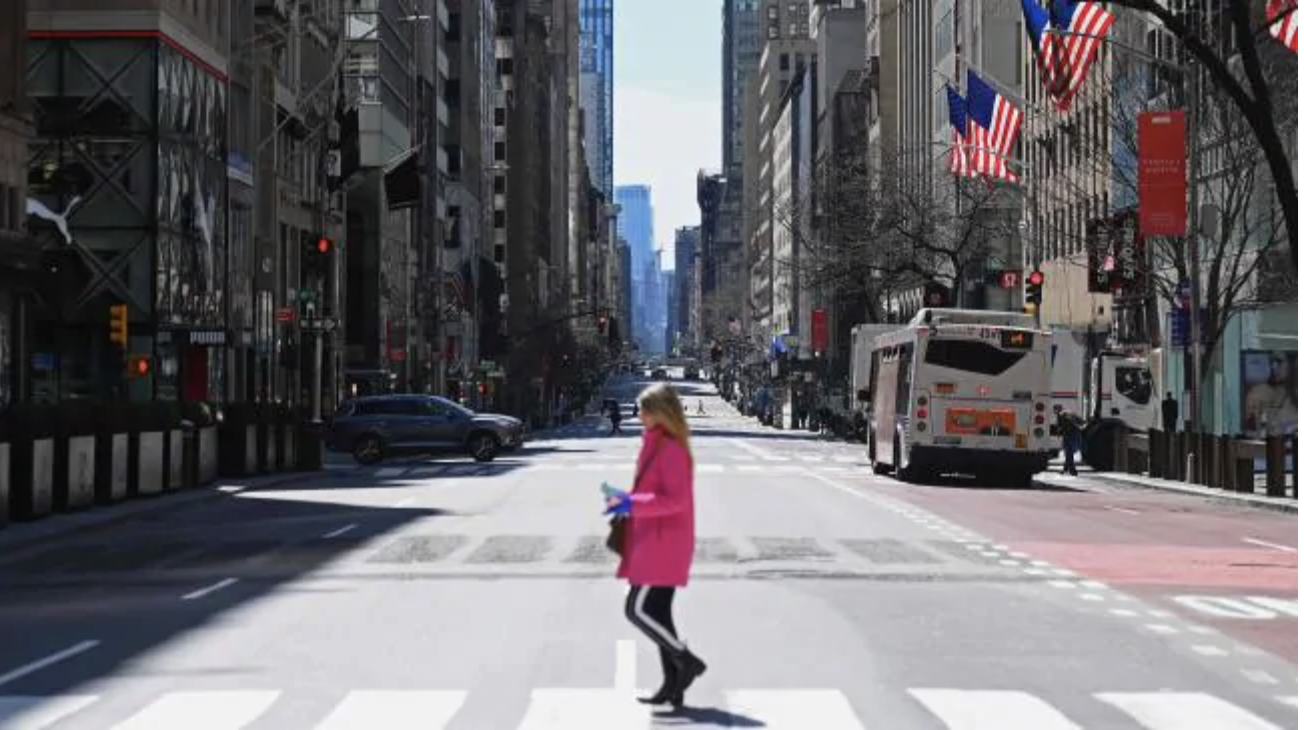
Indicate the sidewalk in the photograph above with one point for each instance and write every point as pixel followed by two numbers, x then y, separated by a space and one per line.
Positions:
pixel 1136 481
pixel 22 535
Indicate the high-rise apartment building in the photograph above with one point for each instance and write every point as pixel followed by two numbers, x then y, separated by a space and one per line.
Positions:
pixel 597 79
pixel 741 52
pixel 635 226
pixel 787 49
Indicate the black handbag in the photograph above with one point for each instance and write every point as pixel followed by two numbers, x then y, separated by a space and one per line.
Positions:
pixel 618 527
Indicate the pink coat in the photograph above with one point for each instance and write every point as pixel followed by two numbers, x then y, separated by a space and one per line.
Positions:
pixel 661 534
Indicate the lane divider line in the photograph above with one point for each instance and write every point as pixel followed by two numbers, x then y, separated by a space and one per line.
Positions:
pixel 42 663
pixel 224 583
pixel 1272 545
pixel 337 533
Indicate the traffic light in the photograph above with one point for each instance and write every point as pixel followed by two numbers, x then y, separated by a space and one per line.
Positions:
pixel 138 366
pixel 323 245
pixel 118 323
pixel 1032 291
pixel 317 253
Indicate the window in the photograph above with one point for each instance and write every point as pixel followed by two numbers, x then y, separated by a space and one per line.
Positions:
pixel 500 185
pixel 772 12
pixel 970 356
pixel 1135 384
pixel 454 27
pixel 772 32
pixel 500 116
pixel 784 62
pixel 504 67
pixel 905 357
pixel 500 151
pixel 500 219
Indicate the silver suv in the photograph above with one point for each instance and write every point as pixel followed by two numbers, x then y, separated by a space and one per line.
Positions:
pixel 374 427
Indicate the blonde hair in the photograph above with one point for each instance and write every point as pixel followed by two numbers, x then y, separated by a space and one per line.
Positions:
pixel 661 403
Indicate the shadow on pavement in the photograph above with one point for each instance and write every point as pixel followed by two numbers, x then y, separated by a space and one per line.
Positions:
pixel 91 605
pixel 704 716
pixel 964 482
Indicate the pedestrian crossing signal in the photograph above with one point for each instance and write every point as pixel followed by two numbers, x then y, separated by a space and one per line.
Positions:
pixel 138 366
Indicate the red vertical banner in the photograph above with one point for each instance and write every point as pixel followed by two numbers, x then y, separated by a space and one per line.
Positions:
pixel 819 330
pixel 1161 173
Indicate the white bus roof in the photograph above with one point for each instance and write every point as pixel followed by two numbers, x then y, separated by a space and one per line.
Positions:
pixel 930 315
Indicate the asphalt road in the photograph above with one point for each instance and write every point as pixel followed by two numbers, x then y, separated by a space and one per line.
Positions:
pixel 447 594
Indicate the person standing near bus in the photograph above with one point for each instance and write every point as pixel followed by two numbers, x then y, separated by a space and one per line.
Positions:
pixel 1070 426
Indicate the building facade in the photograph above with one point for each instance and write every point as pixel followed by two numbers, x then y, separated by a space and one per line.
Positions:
pixel 597 85
pixel 19 262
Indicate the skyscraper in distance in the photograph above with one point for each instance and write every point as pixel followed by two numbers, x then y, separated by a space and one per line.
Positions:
pixel 597 79
pixel 634 224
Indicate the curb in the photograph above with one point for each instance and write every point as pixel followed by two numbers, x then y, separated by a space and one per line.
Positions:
pixel 1270 504
pixel 19 537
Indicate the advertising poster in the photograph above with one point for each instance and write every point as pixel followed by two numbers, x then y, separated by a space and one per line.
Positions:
pixel 1269 393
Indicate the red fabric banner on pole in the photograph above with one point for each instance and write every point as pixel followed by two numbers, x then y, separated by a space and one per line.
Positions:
pixel 819 330
pixel 1161 173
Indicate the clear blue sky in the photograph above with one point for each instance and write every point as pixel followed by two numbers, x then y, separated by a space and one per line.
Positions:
pixel 667 106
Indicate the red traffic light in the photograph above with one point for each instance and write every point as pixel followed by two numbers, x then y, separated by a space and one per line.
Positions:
pixel 138 366
pixel 1036 278
pixel 323 245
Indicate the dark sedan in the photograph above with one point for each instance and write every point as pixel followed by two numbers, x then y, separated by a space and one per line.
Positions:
pixel 374 427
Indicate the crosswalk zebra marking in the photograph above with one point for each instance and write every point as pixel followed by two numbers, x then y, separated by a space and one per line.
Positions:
pixel 395 710
pixel 1186 710
pixel 992 710
pixel 37 713
pixel 796 709
pixel 585 709
pixel 217 710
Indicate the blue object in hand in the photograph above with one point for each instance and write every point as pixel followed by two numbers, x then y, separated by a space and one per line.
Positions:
pixel 621 507
pixel 609 491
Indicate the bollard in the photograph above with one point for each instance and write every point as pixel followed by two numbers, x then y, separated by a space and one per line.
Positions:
pixel 1244 455
pixel 1158 453
pixel 1226 458
pixel 1276 457
pixel 189 455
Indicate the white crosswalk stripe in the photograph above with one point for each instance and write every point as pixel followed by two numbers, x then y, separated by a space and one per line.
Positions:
pixel 395 710
pixel 616 709
pixel 992 710
pixel 800 709
pixel 36 713
pixel 1186 710
pixel 230 710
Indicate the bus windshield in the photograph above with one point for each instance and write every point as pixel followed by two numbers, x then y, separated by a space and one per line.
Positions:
pixel 973 356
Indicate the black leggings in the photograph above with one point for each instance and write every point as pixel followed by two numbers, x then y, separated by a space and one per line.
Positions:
pixel 648 608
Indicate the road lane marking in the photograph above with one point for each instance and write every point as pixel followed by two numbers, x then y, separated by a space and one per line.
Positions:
pixel 584 709
pixel 341 531
pixel 757 452
pixel 405 502
pixel 395 710
pixel 1209 650
pixel 794 709
pixel 985 709
pixel 1251 608
pixel 214 710
pixel 626 666
pixel 210 589
pixel 35 713
pixel 1124 510
pixel 1164 629
pixel 1186 710
pixel 44 662
pixel 1259 676
pixel 1265 543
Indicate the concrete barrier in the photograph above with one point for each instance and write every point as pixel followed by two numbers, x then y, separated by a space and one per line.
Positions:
pixel 119 467
pixel 207 454
pixel 149 479
pixel 42 477
pixel 81 472
pixel 176 460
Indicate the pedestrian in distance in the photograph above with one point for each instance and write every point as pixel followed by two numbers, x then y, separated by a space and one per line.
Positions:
pixel 1168 409
pixel 657 554
pixel 1070 426
pixel 613 413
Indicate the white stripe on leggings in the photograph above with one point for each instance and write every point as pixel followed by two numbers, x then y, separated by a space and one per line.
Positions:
pixel 640 596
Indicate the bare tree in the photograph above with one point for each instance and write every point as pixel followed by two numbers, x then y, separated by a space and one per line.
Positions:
pixel 1248 77
pixel 727 300
pixel 862 234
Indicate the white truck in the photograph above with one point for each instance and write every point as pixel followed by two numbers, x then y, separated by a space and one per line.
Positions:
pixel 1111 390
pixel 862 360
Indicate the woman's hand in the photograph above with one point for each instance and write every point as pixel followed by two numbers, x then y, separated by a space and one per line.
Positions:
pixel 618 505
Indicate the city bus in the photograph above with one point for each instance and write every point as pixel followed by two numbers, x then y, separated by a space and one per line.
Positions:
pixel 962 392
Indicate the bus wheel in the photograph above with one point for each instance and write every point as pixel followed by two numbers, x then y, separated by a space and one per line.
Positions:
pixel 903 474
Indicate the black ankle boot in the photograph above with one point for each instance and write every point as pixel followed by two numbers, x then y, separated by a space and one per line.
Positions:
pixel 663 696
pixel 687 669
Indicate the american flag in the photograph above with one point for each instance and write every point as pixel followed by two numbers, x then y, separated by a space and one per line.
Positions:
pixel 1283 19
pixel 1083 26
pixel 993 125
pixel 1049 51
pixel 960 164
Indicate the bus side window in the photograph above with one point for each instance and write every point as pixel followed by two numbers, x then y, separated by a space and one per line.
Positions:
pixel 866 395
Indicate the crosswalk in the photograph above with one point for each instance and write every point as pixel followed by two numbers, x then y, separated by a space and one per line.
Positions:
pixel 615 709
pixel 722 464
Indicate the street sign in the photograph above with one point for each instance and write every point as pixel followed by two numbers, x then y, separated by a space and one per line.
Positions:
pixel 322 325
pixel 285 314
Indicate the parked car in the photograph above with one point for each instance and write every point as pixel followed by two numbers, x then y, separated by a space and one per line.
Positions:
pixel 373 427
pixel 660 374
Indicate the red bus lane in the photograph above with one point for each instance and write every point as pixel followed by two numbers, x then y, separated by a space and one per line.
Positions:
pixel 1233 569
